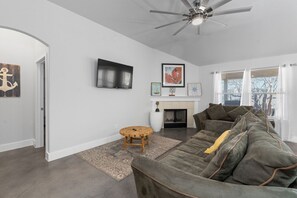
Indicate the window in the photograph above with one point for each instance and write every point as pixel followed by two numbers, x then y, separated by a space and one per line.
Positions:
pixel 231 88
pixel 264 90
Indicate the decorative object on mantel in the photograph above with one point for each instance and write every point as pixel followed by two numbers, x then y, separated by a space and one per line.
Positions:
pixel 155 89
pixel 194 89
pixel 157 109
pixel 173 75
pixel 10 80
pixel 116 162
pixel 172 91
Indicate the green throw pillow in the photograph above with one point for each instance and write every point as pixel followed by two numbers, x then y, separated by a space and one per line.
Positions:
pixel 222 164
pixel 216 112
pixel 268 161
pixel 238 111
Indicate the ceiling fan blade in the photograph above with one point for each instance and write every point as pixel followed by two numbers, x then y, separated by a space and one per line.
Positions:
pixel 180 29
pixel 204 3
pixel 165 12
pixel 233 11
pixel 217 5
pixel 187 4
pixel 174 22
pixel 216 22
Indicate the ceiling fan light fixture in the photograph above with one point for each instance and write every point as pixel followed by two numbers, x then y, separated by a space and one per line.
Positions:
pixel 198 20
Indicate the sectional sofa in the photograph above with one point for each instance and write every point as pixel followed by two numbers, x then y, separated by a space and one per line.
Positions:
pixel 252 161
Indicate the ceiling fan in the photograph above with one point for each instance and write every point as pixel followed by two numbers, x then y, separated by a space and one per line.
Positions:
pixel 200 12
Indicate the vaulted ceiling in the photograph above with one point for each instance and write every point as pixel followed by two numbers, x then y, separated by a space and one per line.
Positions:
pixel 269 29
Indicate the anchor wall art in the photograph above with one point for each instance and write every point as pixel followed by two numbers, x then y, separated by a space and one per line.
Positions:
pixel 10 80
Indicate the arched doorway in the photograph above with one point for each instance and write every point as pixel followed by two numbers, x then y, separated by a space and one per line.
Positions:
pixel 22 114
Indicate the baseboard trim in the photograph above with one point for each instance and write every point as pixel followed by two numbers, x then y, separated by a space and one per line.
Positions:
pixel 16 145
pixel 51 156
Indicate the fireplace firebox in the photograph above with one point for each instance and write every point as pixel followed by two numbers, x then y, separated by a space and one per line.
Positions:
pixel 175 118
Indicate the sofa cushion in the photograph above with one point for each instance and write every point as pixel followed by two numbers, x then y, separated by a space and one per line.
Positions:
pixel 240 127
pixel 238 111
pixel 208 136
pixel 261 114
pixel 185 161
pixel 216 112
pixel 218 126
pixel 274 161
pixel 226 159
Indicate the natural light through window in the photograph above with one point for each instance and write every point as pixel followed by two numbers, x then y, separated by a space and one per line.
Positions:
pixel 231 88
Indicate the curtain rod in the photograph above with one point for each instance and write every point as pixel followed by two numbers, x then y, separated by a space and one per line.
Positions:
pixel 270 67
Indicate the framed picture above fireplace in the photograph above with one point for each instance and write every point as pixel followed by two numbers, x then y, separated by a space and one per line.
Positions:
pixel 173 75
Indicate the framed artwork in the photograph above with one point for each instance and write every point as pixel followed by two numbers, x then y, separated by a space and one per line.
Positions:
pixel 155 89
pixel 10 80
pixel 194 89
pixel 173 75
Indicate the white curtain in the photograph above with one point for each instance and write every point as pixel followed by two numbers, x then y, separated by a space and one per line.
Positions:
pixel 281 109
pixel 246 98
pixel 217 94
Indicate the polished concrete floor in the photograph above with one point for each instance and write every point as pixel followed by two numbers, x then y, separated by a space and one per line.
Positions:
pixel 24 173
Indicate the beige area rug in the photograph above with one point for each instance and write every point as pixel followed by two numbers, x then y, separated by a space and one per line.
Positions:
pixel 116 162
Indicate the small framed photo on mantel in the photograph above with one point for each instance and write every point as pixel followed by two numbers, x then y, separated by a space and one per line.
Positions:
pixel 194 89
pixel 156 89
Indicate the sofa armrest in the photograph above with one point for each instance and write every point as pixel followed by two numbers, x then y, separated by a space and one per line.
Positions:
pixel 154 179
pixel 200 120
pixel 218 126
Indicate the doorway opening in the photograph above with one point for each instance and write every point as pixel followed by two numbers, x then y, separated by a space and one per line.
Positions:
pixel 41 118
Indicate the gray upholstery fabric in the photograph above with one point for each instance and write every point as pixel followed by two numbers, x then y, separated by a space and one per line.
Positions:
pixel 216 112
pixel 240 127
pixel 228 156
pixel 158 180
pixel 238 111
pixel 200 119
pixel 268 153
pixel 185 161
pixel 218 126
pixel 176 175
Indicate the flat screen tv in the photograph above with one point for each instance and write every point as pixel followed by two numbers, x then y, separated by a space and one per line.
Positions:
pixel 114 75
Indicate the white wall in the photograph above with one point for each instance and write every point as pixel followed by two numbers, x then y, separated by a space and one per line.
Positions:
pixel 207 81
pixel 81 115
pixel 17 113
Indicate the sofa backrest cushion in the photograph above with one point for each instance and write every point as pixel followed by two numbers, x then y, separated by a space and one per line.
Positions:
pixel 268 161
pixel 238 111
pixel 216 112
pixel 240 127
pixel 226 159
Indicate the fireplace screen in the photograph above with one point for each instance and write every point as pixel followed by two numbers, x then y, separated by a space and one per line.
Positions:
pixel 175 118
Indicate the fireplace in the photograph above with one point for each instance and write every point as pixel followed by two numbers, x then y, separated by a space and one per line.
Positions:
pixel 175 118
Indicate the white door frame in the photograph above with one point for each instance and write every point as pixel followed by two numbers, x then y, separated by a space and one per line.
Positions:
pixel 39 128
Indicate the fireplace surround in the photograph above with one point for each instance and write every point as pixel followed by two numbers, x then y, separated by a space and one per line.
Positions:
pixel 178 102
pixel 175 118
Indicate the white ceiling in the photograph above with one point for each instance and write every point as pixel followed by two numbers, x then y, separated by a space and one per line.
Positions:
pixel 269 29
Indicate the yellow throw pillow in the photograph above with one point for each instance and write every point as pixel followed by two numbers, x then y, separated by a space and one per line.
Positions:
pixel 217 143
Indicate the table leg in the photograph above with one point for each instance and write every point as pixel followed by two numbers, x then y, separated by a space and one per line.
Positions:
pixel 125 142
pixel 142 144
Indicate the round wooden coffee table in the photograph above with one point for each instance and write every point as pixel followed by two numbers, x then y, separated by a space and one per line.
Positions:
pixel 136 133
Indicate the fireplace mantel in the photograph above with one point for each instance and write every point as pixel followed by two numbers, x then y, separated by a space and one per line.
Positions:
pixel 174 99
